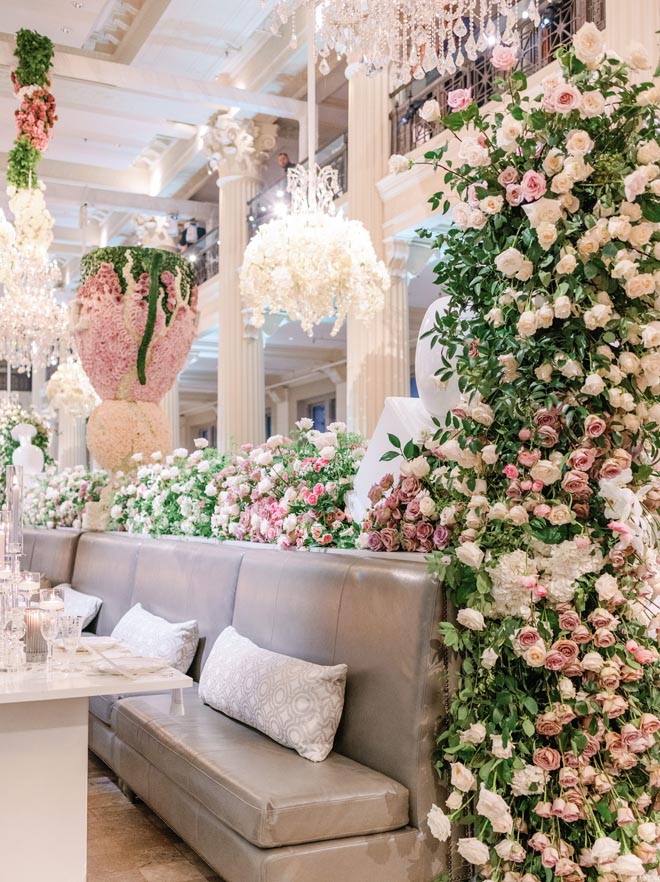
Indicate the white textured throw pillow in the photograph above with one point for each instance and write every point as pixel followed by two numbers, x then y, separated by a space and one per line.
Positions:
pixel 152 636
pixel 78 604
pixel 294 702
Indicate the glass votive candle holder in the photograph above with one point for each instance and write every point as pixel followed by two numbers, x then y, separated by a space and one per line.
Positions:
pixel 52 600
pixel 36 648
pixel 28 586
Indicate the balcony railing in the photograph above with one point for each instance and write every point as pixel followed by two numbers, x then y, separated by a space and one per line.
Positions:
pixel 273 202
pixel 203 256
pixel 560 19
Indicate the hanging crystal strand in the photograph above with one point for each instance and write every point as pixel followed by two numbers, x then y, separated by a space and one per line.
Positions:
pixel 470 44
pixel 293 42
pixel 482 39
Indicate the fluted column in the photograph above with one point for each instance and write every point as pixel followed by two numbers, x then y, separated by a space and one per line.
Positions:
pixel 378 358
pixel 281 422
pixel 241 400
pixel 624 26
pixel 171 408
pixel 237 150
pixel 71 443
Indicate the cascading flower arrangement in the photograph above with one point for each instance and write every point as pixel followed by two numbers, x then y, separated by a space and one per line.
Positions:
pixel 549 484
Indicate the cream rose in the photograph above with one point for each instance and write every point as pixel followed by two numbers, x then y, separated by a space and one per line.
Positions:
pixel 651 335
pixel 545 471
pixel 637 57
pixel 430 111
pixel 579 142
pixel 593 104
pixel 492 204
pixel 470 618
pixel 462 778
pixel 492 807
pixel 648 151
pixel 483 414
pixel 561 183
pixel 398 164
pixel 566 265
pixel 474 735
pixel 527 324
pixel 509 262
pixel 562 307
pixel 546 235
pixel 489 658
pixel 553 162
pixel 439 823
pixel 473 851
pixel 470 554
pixel 589 44
pixel 593 385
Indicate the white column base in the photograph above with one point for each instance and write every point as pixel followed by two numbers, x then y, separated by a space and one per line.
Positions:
pixel 43 809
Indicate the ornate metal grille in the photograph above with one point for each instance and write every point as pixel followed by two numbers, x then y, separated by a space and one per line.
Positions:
pixel 560 19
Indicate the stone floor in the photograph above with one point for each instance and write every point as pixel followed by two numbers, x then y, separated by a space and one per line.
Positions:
pixel 128 843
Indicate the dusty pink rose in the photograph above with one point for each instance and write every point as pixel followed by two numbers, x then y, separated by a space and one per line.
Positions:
pixel 581 634
pixel 549 856
pixel 649 724
pixel 459 99
pixel 374 542
pixel 409 489
pixel 527 458
pixel 548 724
pixel 568 777
pixel 583 458
pixel 569 620
pixel 543 810
pixel 594 426
pixel 533 185
pixel 604 638
pixel 547 758
pixel 548 436
pixel 504 57
pixel 565 98
pixel 554 661
pixel 514 194
pixel 577 483
pixel 510 471
pixel 390 539
pixel 441 536
pixel 508 176
pixel 542 510
pixel 611 468
pixel 527 637
pixel 424 530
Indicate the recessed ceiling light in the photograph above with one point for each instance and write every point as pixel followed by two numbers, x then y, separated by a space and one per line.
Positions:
pixel 77 4
pixel 66 30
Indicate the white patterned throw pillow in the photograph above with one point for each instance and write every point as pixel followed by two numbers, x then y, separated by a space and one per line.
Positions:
pixel 154 637
pixel 76 603
pixel 294 702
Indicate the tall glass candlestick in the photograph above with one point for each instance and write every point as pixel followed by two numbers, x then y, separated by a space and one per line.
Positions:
pixel 14 496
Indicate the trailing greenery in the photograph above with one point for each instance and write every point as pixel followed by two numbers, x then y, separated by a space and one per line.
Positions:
pixel 141 262
pixel 35 55
pixel 22 165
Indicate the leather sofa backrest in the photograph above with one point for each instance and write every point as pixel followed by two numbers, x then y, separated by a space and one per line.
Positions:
pixel 50 552
pixel 377 615
pixel 105 567
pixel 189 580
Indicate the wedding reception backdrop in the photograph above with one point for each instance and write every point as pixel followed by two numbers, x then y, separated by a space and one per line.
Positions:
pixel 534 501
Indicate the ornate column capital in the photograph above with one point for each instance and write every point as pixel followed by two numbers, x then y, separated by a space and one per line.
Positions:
pixel 238 147
pixel 396 257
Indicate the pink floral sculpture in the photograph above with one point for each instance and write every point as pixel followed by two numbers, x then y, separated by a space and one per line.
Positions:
pixel 134 321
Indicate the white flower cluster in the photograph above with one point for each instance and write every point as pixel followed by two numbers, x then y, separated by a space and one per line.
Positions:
pixel 69 390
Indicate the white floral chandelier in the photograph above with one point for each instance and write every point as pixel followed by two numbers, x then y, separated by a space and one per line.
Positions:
pixel 414 36
pixel 312 264
pixel 69 389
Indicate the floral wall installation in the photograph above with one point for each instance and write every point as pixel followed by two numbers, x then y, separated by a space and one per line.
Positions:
pixel 545 480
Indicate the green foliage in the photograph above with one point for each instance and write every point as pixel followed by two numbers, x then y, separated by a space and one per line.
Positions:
pixel 35 56
pixel 22 165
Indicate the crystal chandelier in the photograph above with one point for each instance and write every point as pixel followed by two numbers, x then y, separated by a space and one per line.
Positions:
pixel 414 36
pixel 312 264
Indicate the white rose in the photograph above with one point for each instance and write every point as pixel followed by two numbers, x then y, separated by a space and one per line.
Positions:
pixel 454 801
pixel 525 271
pixel 544 210
pixel 545 471
pixel 648 151
pixel 474 735
pixel 561 184
pixel 510 850
pixel 637 57
pixel 116 512
pixel 439 824
pixel 460 214
pixel 305 424
pixel 624 269
pixel 627 865
pixel 419 467
pixel 647 831
pixel 430 111
pixel 210 489
pixel 589 44
pixel 566 265
pixel 483 414
pixel 592 661
pixel 593 104
pixel 462 778
pixel 489 454
pixel 509 262
pixel 593 385
pixel 495 317
pixel 562 307
pixel 478 219
pixel 604 850
pixel 469 553
pixel 491 806
pixel 427 507
pixel 489 658
pixel 328 453
pixel 553 162
pixel 473 851
pixel 527 323
pixel 492 204
pixel 472 153
pixel 201 443
pixel 497 748
pixel 396 165
pixel 651 335
pixel 566 688
pixel 471 618
pixel 546 235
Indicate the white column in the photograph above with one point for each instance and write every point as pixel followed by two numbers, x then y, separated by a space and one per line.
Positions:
pixel 282 421
pixel 241 399
pixel 71 441
pixel 238 155
pixel 378 359
pixel 171 408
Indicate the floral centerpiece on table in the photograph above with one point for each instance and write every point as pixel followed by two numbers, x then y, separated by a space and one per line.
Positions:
pixel 60 499
pixel 11 415
pixel 549 482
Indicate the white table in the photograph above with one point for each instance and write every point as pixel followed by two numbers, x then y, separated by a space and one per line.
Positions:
pixel 43 767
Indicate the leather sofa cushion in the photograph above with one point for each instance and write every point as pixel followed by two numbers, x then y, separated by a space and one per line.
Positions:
pixel 265 792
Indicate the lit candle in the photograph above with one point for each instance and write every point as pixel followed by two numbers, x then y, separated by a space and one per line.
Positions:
pixel 52 605
pixel 14 542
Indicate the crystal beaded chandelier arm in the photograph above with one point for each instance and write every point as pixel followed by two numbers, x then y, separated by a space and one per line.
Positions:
pixel 413 36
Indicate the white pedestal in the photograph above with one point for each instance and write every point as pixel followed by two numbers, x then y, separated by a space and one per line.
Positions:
pixel 43 809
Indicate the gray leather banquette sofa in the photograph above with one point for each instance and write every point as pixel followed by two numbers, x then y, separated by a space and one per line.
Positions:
pixel 253 810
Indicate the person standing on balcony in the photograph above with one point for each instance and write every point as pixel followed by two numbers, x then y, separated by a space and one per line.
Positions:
pixel 284 162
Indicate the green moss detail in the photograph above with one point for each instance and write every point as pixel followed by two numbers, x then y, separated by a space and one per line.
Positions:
pixel 142 259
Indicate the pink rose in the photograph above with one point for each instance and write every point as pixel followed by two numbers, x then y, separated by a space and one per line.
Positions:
pixel 390 539
pixel 508 176
pixel 611 468
pixel 565 98
pixel 504 57
pixel 569 620
pixel 554 661
pixel 577 483
pixel 374 542
pixel 525 434
pixel 441 536
pixel 594 426
pixel 510 471
pixel 547 758
pixel 533 185
pixel 542 510
pixel 527 637
pixel 583 458
pixel 459 99
pixel 514 194
pixel 604 638
pixel 527 458
pixel 424 530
